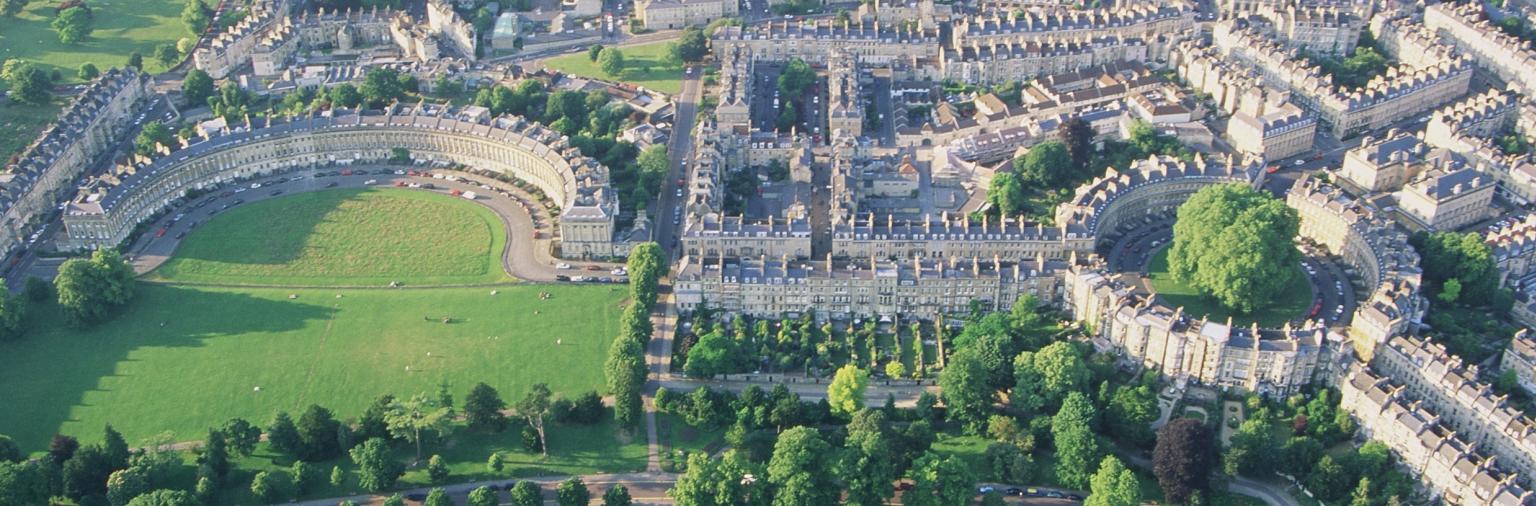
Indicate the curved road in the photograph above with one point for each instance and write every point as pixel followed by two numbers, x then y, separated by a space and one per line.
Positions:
pixel 522 258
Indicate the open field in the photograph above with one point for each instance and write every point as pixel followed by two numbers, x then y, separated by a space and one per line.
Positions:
pixel 363 237
pixel 645 65
pixel 1292 303
pixel 122 27
pixel 182 358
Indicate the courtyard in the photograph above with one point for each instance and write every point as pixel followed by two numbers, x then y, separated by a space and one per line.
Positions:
pixel 1290 305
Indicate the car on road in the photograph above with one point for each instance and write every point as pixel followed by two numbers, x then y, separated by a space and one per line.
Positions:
pixel 1300 163
pixel 276 193
pixel 1014 491
pixel 593 268
pixel 160 233
pixel 180 235
pixel 562 266
pixel 238 190
pixel 1272 169
pixel 331 184
pixel 255 186
pixel 562 277
pixel 1074 497
pixel 984 490
pixel 618 271
pixel 370 182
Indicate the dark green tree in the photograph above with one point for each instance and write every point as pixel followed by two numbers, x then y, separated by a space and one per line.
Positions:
pixel 691 46
pixel 611 62
pixel 527 493
pixel 10 8
pixel 866 465
pixel 801 469
pixel 1078 451
pixel 166 54
pixel 196 87
pixel 483 496
pixel 1257 257
pixel 24 483
pixel 241 436
pixel 376 468
pixel 482 408
pixel 437 497
pixel 617 495
pixel 1005 194
pixel 573 492
pixel 1047 164
pixel 968 397
pixel 317 429
pixel 29 84
pixel 796 78
pixel 165 497
pixel 88 72
pixel 939 481
pixel 73 25
pixel 154 134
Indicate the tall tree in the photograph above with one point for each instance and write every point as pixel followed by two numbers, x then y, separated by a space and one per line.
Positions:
pixel 1182 458
pixel 437 497
pixel 24 483
pixel 617 495
pixel 1257 258
pixel 166 54
pixel 241 436
pixel 1046 164
pixel 195 16
pixel 283 435
pixel 846 391
pixel 625 370
pixel 1113 485
pixel 527 493
pixel 88 71
pixel 317 432
pixel 482 408
pixel 692 46
pixel 85 474
pixel 376 468
pixel 29 84
pixel 939 481
pixel 165 497
pixel 73 25
pixel 10 451
pixel 1005 194
pixel 963 385
pixel 483 496
pixel 196 87
pixel 215 454
pixel 611 61
pixel 796 78
pixel 535 409
pixel 800 469
pixel 417 417
pixel 124 485
pixel 1077 447
pixel 867 466
pixel 1078 135
pixel 1047 376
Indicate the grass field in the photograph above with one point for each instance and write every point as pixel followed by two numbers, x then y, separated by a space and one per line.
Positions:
pixel 1292 303
pixel 182 358
pixel 122 27
pixel 644 65
pixel 20 124
pixel 363 237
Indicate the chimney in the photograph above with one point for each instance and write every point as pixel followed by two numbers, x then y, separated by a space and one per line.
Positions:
pixel 975 266
pixel 927 223
pixel 829 263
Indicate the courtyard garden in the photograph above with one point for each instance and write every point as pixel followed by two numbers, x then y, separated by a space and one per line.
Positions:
pixel 647 65
pixel 1291 304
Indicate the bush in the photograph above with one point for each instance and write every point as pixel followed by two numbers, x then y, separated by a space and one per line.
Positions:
pixel 531 440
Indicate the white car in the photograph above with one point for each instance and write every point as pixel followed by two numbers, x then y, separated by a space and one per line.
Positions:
pixel 618 271
pixel 1300 163
pixel 563 266
pixel 370 181
pixel 255 186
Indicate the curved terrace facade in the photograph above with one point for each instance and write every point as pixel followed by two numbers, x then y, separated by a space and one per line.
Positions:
pixel 107 213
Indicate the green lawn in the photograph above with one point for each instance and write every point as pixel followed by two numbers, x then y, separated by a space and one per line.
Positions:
pixel 182 358
pixel 363 237
pixel 645 65
pixel 20 124
pixel 1291 304
pixel 122 27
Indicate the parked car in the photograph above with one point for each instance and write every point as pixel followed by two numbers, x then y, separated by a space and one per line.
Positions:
pixel 562 266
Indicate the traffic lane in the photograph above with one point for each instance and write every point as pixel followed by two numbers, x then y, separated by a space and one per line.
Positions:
pixel 680 148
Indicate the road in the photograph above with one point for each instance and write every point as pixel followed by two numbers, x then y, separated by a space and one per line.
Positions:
pixel 522 258
pixel 664 212
pixel 644 488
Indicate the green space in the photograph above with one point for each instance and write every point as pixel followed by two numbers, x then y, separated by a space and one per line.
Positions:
pixel 121 27
pixel 678 440
pixel 20 124
pixel 647 65
pixel 362 237
pixel 1291 304
pixel 183 358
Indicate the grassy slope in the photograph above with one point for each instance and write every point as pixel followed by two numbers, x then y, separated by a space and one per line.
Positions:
pixel 217 345
pixel 20 124
pixel 344 237
pixel 122 27
pixel 1292 303
pixel 663 76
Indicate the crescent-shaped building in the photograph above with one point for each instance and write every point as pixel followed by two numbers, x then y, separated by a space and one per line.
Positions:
pixel 106 213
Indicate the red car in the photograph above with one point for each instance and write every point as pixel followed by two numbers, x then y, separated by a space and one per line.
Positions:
pixel 160 233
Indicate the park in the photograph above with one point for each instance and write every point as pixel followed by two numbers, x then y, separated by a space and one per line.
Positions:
pixel 646 65
pixel 185 355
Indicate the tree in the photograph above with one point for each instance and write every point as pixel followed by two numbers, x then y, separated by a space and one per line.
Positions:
pixel 1005 194
pixel 796 78
pixel 29 84
pixel 73 25
pixel 617 495
pixel 1182 458
pixel 88 71
pixel 165 497
pixel 381 86
pixel 483 496
pixel 939 481
pixel 573 492
pixel 283 435
pixel 215 454
pixel 787 117
pixel 376 469
pixel 1113 485
pixel 1047 376
pixel 846 391
pixel 1329 479
pixel 24 483
pixel 535 408
pixel 1078 136
pixel 593 51
pixel 345 95
pixel 166 54
pixel 437 497
pixel 1077 447
pixel 85 474
pixel 152 136
pixel 800 469
pixel 437 470
pixel 338 477
pixel 482 408
pixel 196 87
pixel 1251 450
pixel 410 419
pixel 866 465
pixel 1257 258
pixel 241 436
pixel 126 484
pixel 625 370
pixel 493 463
pixel 9 450
pixel 273 486
pixel 394 500
pixel 963 385
pixel 1463 258
pixel 136 60
pixel 62 448
pixel 10 8
pixel 611 61
pixel 691 47
pixel 195 16
pixel 1047 164
pixel 317 429
pixel 1130 413
pixel 527 493
pixel 713 354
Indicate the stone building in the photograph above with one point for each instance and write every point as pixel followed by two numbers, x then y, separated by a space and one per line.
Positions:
pixel 1430 374
pixel 1272 131
pixel 44 173
pixel 1504 55
pixel 1520 357
pixel 845 100
pixel 108 209
pixel 1385 164
pixel 1453 469
pixel 1159 25
pixel 1486 114
pixel 232 48
pixel 1445 199
pixel 1514 252
pixel 676 14
pixel 875 44
pixel 999 62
